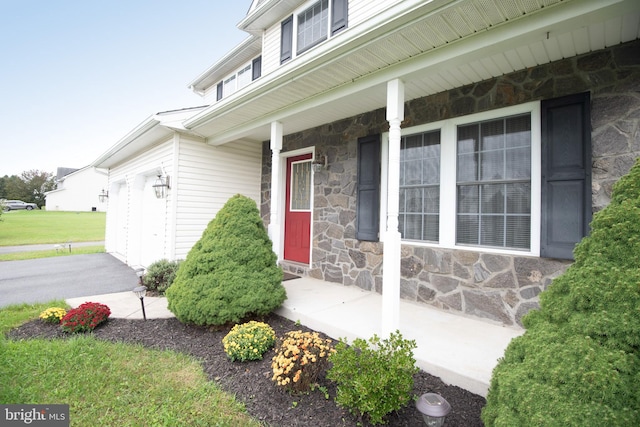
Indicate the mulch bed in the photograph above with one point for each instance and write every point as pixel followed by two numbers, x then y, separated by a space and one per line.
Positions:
pixel 251 382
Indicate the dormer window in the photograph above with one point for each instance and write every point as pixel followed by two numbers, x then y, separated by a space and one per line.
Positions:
pixel 312 26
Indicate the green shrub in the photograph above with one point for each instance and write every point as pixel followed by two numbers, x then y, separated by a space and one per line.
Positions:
pixel 86 317
pixel 160 275
pixel 374 377
pixel 248 341
pixel 578 363
pixel 301 357
pixel 231 272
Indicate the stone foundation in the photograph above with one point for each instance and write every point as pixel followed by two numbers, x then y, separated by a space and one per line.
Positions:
pixel 495 288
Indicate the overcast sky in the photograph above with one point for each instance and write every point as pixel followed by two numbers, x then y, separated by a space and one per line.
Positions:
pixel 78 75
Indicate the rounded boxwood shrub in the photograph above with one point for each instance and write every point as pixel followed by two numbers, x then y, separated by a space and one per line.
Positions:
pixel 160 275
pixel 231 273
pixel 578 363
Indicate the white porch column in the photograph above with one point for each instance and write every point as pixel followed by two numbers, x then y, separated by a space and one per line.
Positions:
pixel 391 256
pixel 275 232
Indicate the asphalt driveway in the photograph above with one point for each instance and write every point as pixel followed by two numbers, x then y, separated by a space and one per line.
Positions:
pixel 44 279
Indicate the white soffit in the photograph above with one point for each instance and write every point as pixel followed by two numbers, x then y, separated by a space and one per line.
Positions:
pixel 463 43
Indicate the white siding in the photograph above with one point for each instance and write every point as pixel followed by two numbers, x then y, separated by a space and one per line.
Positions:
pixel 362 10
pixel 359 11
pixel 208 177
pixel 79 192
pixel 142 229
pixel 126 214
pixel 271 49
pixel 210 94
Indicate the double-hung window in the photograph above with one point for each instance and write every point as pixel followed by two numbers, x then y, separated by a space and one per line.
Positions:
pixel 493 171
pixel 229 86
pixel 311 25
pixel 513 180
pixel 473 181
pixel 419 213
pixel 244 77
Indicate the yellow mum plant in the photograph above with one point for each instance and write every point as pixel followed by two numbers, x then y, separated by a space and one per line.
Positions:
pixel 248 341
pixel 300 358
pixel 53 314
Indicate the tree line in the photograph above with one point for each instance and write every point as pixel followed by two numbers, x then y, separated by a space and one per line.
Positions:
pixel 29 187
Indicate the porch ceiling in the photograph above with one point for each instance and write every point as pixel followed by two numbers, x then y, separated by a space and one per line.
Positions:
pixel 433 47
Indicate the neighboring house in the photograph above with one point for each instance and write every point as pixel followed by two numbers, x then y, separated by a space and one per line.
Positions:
pixel 197 180
pixel 78 190
pixel 446 152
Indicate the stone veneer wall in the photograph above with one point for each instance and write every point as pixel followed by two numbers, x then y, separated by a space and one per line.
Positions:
pixel 496 288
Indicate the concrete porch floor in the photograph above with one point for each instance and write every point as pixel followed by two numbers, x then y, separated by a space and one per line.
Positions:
pixel 459 350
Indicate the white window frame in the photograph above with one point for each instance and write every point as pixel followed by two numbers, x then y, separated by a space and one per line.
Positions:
pixel 448 181
pixel 233 79
pixel 229 85
pixel 296 13
pixel 291 208
pixel 245 72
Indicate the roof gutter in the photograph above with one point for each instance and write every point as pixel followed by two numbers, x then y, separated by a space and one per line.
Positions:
pixel 327 52
pixel 245 44
pixel 128 139
pixel 247 23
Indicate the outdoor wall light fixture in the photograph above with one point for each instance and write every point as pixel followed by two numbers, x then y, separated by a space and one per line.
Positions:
pixel 161 186
pixel 319 163
pixel 434 409
pixel 140 292
pixel 103 196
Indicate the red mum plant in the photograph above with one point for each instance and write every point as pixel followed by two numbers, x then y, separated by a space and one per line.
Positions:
pixel 85 317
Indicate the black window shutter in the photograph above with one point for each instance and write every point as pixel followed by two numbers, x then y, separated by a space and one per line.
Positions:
pixel 339 15
pixel 256 68
pixel 286 39
pixel 219 92
pixel 368 190
pixel 566 174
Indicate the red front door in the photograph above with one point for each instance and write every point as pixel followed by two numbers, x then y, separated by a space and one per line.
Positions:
pixel 297 216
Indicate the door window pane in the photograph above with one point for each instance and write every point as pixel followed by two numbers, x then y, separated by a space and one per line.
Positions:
pixel 301 186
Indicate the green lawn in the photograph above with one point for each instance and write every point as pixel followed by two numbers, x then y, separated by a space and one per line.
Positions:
pixel 41 227
pixel 103 383
pixel 110 384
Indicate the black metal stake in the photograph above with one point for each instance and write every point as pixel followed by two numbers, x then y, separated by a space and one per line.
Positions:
pixel 142 304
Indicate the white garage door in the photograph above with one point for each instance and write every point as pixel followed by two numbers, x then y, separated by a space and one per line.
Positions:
pixel 152 232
